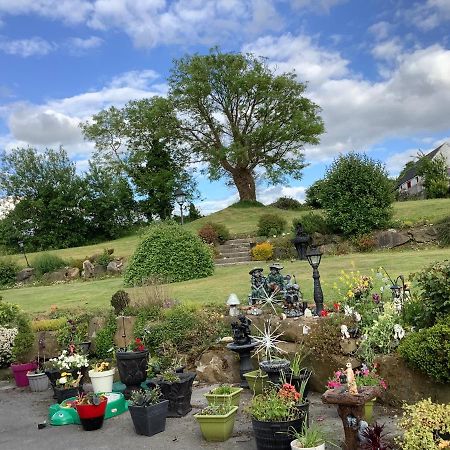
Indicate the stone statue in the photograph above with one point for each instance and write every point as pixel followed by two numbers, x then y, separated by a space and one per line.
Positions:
pixel 241 330
pixel 292 297
pixel 275 281
pixel 258 283
pixel 351 382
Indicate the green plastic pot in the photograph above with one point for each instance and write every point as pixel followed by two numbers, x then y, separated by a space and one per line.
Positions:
pixel 218 399
pixel 217 428
pixel 257 381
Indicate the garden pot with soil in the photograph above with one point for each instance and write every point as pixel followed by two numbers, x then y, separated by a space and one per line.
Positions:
pixel 215 426
pixel 20 372
pixel 102 381
pixel 92 415
pixel 149 420
pixel 275 369
pixel 256 380
pixel 62 394
pixel 132 366
pixel 274 435
pixel 224 395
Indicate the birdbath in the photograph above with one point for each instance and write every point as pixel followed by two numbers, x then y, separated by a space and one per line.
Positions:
pixel 245 363
pixel 350 408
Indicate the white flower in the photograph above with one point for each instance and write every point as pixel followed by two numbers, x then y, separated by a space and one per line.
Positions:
pixel 62 380
pixel 357 316
pixel 348 310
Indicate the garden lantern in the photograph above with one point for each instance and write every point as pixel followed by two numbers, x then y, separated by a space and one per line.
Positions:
pixel 233 302
pixel 301 242
pixel 314 256
pixel 22 247
pixel 399 290
pixel 180 198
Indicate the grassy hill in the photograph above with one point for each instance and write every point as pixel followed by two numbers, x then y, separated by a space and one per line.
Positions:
pixel 216 288
pixel 243 221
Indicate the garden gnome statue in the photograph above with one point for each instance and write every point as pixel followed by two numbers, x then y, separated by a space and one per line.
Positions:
pixel 241 330
pixel 275 281
pixel 258 282
pixel 351 382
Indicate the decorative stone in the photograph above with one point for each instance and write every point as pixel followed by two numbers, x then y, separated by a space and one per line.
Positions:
pixel 424 235
pixel 218 365
pixel 391 238
pixel 115 267
pixel 88 269
pixel 25 275
pixel 99 270
pixel 58 275
pixel 73 273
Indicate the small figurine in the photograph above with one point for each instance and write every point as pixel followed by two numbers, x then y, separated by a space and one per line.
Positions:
pixel 292 297
pixel 351 382
pixel 275 281
pixel 241 330
pixel 399 332
pixel 258 283
pixel 307 312
pixel 344 332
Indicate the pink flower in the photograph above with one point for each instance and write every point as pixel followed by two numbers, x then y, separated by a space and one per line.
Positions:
pixel 383 384
pixel 337 374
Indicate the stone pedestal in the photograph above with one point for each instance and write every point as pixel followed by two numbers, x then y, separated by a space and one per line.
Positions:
pixel 244 352
pixel 351 410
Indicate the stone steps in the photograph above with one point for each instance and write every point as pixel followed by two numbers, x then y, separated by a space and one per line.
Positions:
pixel 234 251
pixel 238 263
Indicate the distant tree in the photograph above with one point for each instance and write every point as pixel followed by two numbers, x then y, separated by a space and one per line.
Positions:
pixel 48 193
pixel 238 117
pixel 314 194
pixel 409 165
pixel 193 213
pixel 357 195
pixel 434 172
pixel 109 206
pixel 142 141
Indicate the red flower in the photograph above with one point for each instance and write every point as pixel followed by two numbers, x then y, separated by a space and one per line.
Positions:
pixel 336 306
pixel 323 313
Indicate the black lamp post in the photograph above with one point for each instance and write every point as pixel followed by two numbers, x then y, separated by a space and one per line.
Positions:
pixel 22 247
pixel 399 291
pixel 314 255
pixel 301 242
pixel 180 198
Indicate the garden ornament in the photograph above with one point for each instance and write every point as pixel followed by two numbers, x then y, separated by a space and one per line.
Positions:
pixel 241 330
pixel 351 382
pixel 344 332
pixel 348 310
pixel 275 281
pixel 233 302
pixel 306 329
pixel 399 332
pixel 357 316
pixel 307 312
pixel 258 283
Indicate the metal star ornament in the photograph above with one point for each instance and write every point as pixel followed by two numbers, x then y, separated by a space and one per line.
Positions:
pixel 267 341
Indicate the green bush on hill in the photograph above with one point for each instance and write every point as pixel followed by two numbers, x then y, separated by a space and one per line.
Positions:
pixel 8 271
pixel 47 262
pixel 247 204
pixel 171 253
pixel 312 222
pixel 271 225
pixel 443 230
pixel 288 203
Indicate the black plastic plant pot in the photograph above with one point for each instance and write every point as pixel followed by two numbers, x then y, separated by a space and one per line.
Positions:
pixel 132 368
pixel 305 374
pixel 275 435
pixel 178 393
pixel 303 408
pixel 64 394
pixel 149 420
pixel 53 375
pixel 275 369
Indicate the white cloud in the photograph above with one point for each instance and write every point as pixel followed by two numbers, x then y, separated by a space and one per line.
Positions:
pixel 388 50
pixel 80 45
pixel 35 46
pixel 380 30
pixel 427 15
pixel 317 5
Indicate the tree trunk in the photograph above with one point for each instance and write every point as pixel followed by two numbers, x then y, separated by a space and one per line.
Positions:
pixel 245 184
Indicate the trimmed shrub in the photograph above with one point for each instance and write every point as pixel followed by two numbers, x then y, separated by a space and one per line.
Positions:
pixel 262 252
pixel 443 231
pixel 312 223
pixel 271 225
pixel 11 316
pixel 48 324
pixel 428 350
pixel 47 262
pixel 223 233
pixel 247 204
pixel 288 203
pixel 8 271
pixel 171 253
pixel 119 301
pixel 208 234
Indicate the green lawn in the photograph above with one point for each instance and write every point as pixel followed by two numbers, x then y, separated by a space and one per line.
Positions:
pixel 243 221
pixel 93 294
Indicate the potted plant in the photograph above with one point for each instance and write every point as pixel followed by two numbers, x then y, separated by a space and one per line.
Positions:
pixel 132 366
pixel 37 379
pixel 20 371
pixel 91 410
pixel 273 415
pixel 177 388
pixel 75 363
pixel 148 411
pixel 224 394
pixel 309 438
pixel 256 380
pixel 372 438
pixel 102 376
pixel 274 366
pixel 298 373
pixel 67 386
pixel 217 421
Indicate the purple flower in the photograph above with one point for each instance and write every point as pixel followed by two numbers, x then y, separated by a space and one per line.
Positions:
pixel 376 298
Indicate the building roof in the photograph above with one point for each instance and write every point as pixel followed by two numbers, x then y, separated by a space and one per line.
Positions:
pixel 412 172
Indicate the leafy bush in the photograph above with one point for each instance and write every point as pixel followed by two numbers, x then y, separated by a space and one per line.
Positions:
pixel 104 258
pixel 287 203
pixel 47 262
pixel 8 271
pixel 170 252
pixel 365 243
pixel 428 350
pixel 443 231
pixel 314 195
pixel 104 339
pixel 435 291
pixel 283 248
pixel 262 252
pixel 48 324
pixel 75 329
pixel 208 234
pixel 11 316
pixel 247 204
pixel 312 223
pixel 271 225
pixel 223 233
pixel 357 195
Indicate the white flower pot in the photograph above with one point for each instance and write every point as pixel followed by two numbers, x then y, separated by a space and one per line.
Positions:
pixel 38 382
pixel 102 381
pixel 296 446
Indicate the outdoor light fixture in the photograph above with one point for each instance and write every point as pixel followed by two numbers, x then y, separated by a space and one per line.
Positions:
pixel 301 241
pixel 314 255
pixel 399 291
pixel 22 247
pixel 233 302
pixel 180 198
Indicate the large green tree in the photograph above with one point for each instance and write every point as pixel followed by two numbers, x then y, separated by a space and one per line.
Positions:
pixel 49 192
pixel 435 175
pixel 357 194
pixel 142 141
pixel 239 118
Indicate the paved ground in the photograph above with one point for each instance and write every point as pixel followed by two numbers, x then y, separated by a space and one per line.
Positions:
pixel 21 411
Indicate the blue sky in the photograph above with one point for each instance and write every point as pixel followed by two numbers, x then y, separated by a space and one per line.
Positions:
pixel 380 69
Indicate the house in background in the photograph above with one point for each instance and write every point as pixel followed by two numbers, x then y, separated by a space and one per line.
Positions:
pixel 411 184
